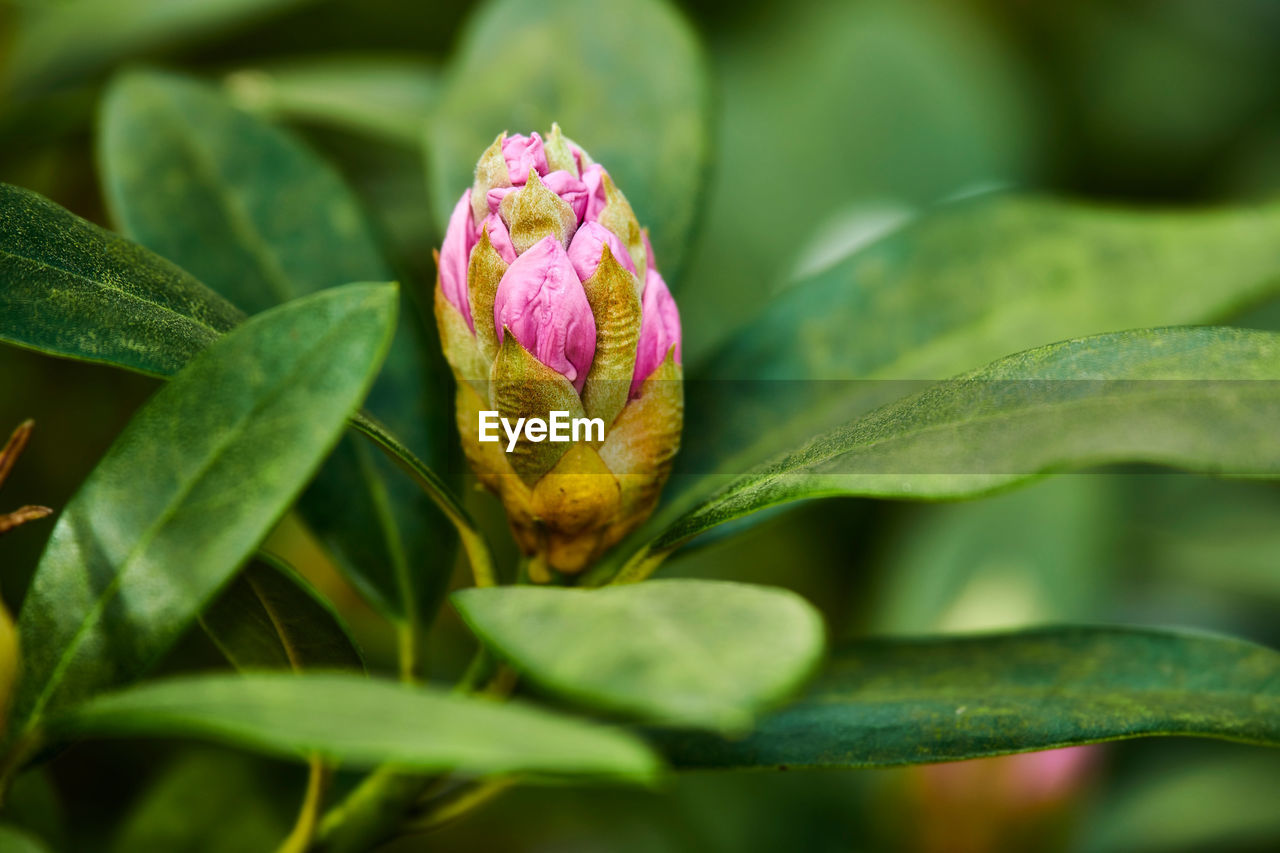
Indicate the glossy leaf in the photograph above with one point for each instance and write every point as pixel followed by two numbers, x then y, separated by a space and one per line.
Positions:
pixel 969 282
pixel 364 722
pixel 384 97
pixel 59 43
pixel 190 487
pixel 685 652
pixel 1181 397
pixel 64 281
pixel 271 618
pixel 643 114
pixel 910 701
pixel 260 218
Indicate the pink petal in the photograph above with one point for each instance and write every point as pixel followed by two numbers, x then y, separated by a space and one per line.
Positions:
pixel 541 301
pixel 593 179
pixel 587 247
pixel 523 153
pixel 499 237
pixel 648 250
pixel 455 253
pixel 659 329
pixel 560 182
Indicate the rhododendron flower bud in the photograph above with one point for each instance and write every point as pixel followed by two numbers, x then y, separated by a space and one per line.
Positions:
pixel 549 300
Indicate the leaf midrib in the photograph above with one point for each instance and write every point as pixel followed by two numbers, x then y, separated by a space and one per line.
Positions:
pixel 241 223
pixel 149 535
pixel 749 484
pixel 102 285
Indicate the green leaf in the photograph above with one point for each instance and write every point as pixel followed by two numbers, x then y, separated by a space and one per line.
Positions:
pixel 968 283
pixel 64 282
pixel 1029 414
pixel 887 702
pixel 15 840
pixel 64 42
pixel 1225 803
pixel 271 618
pixel 384 97
pixel 682 652
pixel 240 204
pixel 260 218
pixel 190 487
pixel 366 722
pixel 630 85
pixel 195 798
pixel 1034 556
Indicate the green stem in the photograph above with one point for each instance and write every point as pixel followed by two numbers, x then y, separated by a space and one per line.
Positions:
pixel 472 542
pixel 371 814
pixel 470 796
pixel 304 829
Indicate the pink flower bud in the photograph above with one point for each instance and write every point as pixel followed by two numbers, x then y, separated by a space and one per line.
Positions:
pixel 593 180
pixel 563 184
pixel 541 300
pixel 499 237
pixel 523 153
pixel 455 252
pixel 588 245
pixel 659 329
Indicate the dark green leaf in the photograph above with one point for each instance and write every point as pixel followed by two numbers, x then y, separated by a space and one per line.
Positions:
pixel 968 283
pixel 184 495
pixel 386 97
pixel 240 204
pixel 642 113
pixel 63 42
pixel 1182 397
pixel 886 702
pixel 685 652
pixel 271 618
pixel 195 800
pixel 262 219
pixel 70 288
pixel 364 722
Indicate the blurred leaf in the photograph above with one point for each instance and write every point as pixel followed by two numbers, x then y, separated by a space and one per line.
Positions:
pixel 365 722
pixel 14 840
pixel 821 105
pixel 971 282
pixel 204 801
pixel 198 477
pixel 1038 555
pixel 911 701
pixel 1206 805
pixel 63 281
pixel 10 665
pixel 33 804
pixel 383 96
pixel 1211 535
pixel 64 42
pixel 241 204
pixel 271 618
pixel 1181 397
pixel 629 85
pixel 253 212
pixel 683 652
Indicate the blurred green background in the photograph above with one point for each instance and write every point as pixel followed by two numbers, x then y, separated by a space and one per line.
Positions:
pixel 828 121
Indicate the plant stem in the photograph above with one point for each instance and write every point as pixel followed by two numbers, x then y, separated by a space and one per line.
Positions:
pixel 371 813
pixel 472 542
pixel 468 797
pixel 304 829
